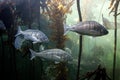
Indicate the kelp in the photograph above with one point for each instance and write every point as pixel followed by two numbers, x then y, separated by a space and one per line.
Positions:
pixel 98 74
pixel 43 6
pixel 114 8
pixel 57 15
pixel 80 40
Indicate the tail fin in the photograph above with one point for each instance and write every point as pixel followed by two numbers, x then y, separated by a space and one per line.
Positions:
pixel 32 54
pixel 19 31
pixel 66 29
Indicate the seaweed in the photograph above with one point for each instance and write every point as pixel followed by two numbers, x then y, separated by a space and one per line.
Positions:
pixel 114 8
pixel 98 74
pixel 43 6
pixel 57 15
pixel 80 41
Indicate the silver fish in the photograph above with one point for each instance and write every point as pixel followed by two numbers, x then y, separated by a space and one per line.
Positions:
pixel 33 35
pixel 57 55
pixel 90 28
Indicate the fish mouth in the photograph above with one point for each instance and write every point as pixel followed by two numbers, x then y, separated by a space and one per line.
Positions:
pixel 106 32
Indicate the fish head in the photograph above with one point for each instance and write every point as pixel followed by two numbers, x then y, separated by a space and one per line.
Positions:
pixel 100 29
pixel 103 31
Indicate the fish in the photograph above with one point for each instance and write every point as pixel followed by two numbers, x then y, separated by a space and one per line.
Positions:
pixel 55 54
pixel 90 28
pixel 36 36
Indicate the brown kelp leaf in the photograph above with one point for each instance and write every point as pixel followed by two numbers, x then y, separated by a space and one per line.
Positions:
pixel 111 4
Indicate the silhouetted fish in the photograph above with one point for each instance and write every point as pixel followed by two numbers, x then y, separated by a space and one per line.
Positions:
pixel 90 28
pixel 57 55
pixel 33 35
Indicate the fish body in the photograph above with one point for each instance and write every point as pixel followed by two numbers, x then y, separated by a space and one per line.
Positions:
pixel 33 35
pixel 56 55
pixel 90 28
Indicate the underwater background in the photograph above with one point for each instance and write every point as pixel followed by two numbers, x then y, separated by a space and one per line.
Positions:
pixel 99 59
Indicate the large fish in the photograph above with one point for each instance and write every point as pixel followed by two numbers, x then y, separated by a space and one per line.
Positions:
pixel 57 55
pixel 33 35
pixel 90 28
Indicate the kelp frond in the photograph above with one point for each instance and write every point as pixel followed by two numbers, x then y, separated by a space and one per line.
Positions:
pixel 57 15
pixel 113 5
pixel 62 6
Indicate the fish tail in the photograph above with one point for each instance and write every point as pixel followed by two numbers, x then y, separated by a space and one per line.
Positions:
pixel 66 29
pixel 32 54
pixel 19 31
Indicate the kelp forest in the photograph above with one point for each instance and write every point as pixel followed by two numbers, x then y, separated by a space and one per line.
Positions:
pixel 60 39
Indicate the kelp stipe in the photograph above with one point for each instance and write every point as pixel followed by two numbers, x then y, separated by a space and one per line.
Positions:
pixel 57 14
pixel 114 5
pixel 80 41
